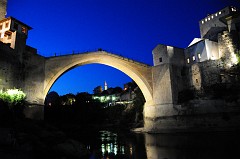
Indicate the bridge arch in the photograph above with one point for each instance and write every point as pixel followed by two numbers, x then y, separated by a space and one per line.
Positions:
pixel 139 72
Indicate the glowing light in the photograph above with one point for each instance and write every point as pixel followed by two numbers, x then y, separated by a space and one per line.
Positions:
pixel 12 96
pixel 234 59
pixel 234 9
pixel 199 56
pixel 102 98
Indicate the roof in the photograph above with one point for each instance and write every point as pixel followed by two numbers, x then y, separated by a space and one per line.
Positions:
pixel 194 41
pixel 18 21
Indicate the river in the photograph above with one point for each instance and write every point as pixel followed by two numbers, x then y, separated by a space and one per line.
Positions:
pixel 127 145
pixel 118 144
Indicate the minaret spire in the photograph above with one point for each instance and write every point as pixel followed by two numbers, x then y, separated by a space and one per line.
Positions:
pixel 105 85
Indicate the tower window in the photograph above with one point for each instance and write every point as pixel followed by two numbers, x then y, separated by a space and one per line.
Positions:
pixel 196 80
pixel 6 25
pixel 24 30
pixel 9 36
pixel 188 60
pixel 160 59
pixel 199 55
pixel 193 58
pixel 234 9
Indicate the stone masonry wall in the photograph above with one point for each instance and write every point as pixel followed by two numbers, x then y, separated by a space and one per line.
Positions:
pixel 3 9
pixel 226 46
pixel 10 68
pixel 33 73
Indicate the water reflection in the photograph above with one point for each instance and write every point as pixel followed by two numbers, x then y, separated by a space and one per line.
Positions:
pixel 168 146
pixel 194 146
pixel 109 143
pixel 117 145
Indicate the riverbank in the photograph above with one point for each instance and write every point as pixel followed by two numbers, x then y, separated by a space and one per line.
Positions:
pixel 36 139
pixel 31 139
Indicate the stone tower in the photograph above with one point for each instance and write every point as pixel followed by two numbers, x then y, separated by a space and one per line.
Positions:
pixel 3 9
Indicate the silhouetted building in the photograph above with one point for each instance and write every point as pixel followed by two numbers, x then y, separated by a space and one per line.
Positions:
pixel 97 90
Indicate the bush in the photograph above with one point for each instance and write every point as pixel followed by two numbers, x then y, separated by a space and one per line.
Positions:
pixel 14 99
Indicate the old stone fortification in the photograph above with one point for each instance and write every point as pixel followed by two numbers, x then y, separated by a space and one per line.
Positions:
pixel 10 69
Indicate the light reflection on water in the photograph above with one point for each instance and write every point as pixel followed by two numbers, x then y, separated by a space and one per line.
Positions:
pixel 169 146
pixel 117 145
pixel 109 143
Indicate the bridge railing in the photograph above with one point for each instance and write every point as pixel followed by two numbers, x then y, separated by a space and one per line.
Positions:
pixel 100 50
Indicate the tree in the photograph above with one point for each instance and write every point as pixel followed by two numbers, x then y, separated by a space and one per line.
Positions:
pixel 52 99
pixel 138 103
pixel 68 99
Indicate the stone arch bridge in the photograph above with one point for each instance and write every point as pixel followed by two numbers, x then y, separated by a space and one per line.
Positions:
pixel 139 72
pixel 156 82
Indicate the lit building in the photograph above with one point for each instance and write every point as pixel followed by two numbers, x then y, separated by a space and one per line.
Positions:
pixel 217 47
pixel 113 96
pixel 14 33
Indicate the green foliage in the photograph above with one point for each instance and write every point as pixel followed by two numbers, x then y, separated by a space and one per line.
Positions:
pixel 12 104
pixel 238 57
pixel 13 97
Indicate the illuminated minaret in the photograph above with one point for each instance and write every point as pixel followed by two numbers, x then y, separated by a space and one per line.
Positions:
pixel 3 9
pixel 105 85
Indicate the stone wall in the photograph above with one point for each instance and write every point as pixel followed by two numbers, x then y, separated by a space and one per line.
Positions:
pixel 204 74
pixel 21 74
pixel 10 68
pixel 227 48
pixel 33 77
pixel 3 9
pixel 163 54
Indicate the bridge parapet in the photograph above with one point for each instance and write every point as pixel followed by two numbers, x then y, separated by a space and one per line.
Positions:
pixel 108 53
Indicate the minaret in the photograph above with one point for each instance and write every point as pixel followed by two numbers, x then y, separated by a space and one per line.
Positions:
pixel 105 85
pixel 3 9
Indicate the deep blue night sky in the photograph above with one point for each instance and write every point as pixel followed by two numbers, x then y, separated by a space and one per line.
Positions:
pixel 131 28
